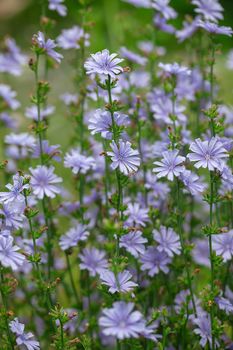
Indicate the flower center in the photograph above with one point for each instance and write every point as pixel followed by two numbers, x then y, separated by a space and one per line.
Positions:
pixel 122 324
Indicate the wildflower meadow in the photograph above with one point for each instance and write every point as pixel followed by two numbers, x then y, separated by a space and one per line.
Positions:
pixel 116 183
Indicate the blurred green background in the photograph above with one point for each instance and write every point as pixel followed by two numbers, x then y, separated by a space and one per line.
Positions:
pixel 115 23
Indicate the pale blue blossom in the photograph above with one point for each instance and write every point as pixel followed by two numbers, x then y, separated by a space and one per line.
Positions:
pixel 120 282
pixel 121 321
pixel 9 255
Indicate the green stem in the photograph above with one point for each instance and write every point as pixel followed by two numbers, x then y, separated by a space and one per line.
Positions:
pixel 180 232
pixel 110 103
pixel 4 302
pixel 47 221
pixel 89 307
pixel 201 59
pixel 120 193
pixel 30 225
pixel 226 275
pixel 37 265
pixel 231 199
pixel 106 179
pixel 212 73
pixel 62 335
pixel 212 188
pixel 43 8
pixel 81 126
pixel 81 194
pixel 118 344
pixel 174 105
pixel 164 338
pixel 106 165
pixel 49 238
pixel 72 279
pixel 120 190
pixel 38 107
pixel 141 153
pixel 211 261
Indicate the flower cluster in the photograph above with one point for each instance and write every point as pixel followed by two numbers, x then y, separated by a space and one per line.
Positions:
pixel 116 179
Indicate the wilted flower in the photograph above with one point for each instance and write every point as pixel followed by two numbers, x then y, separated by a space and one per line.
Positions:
pixel 93 260
pixel 133 242
pixel 223 245
pixel 121 321
pixel 73 236
pixel 168 241
pixel 210 9
pixel 120 282
pixel 124 157
pixel 48 46
pixel 78 162
pixel 58 5
pixel 154 261
pixel 70 38
pixel 136 215
pixel 104 63
pixel 43 181
pixel 170 165
pixel 9 256
pixel 207 154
